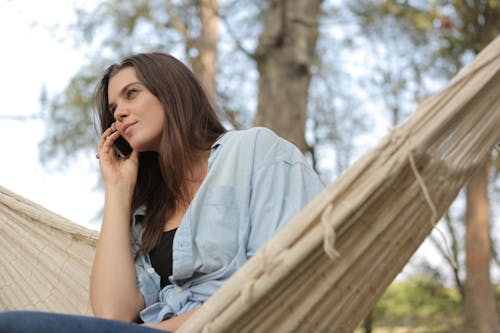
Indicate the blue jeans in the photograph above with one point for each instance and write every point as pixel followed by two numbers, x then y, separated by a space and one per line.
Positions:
pixel 44 322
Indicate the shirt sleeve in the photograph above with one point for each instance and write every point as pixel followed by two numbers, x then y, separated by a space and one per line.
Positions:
pixel 281 187
pixel 148 281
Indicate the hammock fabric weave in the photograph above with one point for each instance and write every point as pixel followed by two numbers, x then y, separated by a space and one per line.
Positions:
pixel 45 259
pixel 326 269
pixel 323 271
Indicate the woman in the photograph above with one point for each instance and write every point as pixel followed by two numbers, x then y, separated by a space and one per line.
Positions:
pixel 191 203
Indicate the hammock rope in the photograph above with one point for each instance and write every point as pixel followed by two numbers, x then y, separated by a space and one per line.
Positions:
pixel 46 259
pixel 326 269
pixel 329 240
pixel 433 208
pixel 375 215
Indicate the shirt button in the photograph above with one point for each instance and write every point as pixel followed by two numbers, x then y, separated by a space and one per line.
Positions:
pixel 150 270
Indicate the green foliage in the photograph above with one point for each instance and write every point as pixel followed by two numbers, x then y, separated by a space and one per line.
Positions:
pixel 454 29
pixel 116 28
pixel 394 70
pixel 477 23
pixel 106 33
pixel 335 115
pixel 419 302
pixel 449 33
pixel 71 121
pixel 419 18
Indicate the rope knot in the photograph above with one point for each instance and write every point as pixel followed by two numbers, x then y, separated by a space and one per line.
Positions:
pixel 329 238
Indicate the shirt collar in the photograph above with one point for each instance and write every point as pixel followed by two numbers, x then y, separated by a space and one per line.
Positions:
pixel 221 140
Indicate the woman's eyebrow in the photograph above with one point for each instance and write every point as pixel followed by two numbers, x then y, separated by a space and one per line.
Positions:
pixel 122 92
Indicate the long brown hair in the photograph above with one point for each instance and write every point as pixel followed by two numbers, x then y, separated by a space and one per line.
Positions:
pixel 191 127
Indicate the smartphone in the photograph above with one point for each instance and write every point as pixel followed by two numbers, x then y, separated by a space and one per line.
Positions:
pixel 122 147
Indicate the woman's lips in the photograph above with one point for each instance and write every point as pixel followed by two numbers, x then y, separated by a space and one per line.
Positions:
pixel 126 127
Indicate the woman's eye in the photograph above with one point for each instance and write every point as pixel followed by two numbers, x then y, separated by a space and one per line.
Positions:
pixel 131 92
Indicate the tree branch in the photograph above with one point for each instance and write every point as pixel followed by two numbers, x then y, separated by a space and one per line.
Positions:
pixel 177 23
pixel 233 36
pixel 33 116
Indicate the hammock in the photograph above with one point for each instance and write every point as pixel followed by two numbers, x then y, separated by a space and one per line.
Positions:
pixel 45 259
pixel 324 270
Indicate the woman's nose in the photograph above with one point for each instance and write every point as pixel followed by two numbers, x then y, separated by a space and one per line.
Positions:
pixel 121 112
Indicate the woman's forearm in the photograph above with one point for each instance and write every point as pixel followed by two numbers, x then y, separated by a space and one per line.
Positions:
pixel 174 323
pixel 113 287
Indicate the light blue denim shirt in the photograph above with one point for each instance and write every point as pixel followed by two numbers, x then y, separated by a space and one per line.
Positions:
pixel 256 182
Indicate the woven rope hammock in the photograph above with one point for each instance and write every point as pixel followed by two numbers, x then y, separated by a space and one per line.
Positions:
pixel 326 269
pixel 45 260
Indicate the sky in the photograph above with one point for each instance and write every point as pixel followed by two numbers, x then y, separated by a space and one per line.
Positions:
pixel 33 56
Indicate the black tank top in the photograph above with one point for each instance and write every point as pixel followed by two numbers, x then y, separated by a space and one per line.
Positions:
pixel 161 257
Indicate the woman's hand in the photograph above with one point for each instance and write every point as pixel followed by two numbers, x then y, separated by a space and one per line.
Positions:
pixel 116 171
pixel 113 284
pixel 173 323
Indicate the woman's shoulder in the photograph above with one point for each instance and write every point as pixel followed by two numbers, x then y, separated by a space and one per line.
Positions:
pixel 255 135
pixel 265 145
pixel 254 131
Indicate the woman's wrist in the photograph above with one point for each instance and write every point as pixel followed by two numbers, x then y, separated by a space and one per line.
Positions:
pixel 118 197
pixel 119 189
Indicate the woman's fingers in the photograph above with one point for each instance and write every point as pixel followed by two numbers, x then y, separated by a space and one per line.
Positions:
pixel 106 135
pixel 115 170
pixel 110 139
pixel 104 146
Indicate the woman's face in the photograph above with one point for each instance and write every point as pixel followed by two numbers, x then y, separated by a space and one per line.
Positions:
pixel 139 115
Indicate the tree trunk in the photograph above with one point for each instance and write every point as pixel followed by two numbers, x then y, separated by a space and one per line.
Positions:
pixel 284 57
pixel 202 49
pixel 205 63
pixel 479 303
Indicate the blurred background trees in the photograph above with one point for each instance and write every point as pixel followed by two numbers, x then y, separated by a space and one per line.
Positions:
pixel 330 76
pixel 448 33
